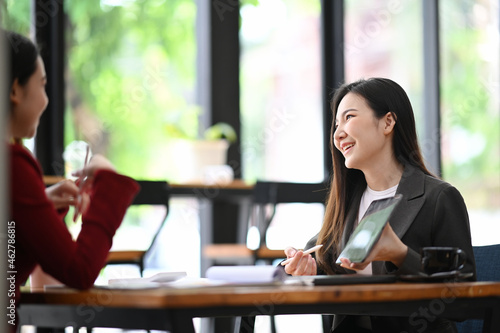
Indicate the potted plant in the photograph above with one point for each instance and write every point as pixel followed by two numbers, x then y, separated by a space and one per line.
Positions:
pixel 194 157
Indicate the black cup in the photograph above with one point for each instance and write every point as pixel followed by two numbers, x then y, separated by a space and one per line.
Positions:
pixel 442 259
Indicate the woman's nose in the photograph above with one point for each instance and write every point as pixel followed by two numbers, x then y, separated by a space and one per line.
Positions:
pixel 339 134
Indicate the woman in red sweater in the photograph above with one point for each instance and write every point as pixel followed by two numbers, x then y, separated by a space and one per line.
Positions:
pixel 36 213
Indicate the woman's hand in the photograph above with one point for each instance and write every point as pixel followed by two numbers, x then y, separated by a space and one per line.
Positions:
pixel 86 178
pixel 301 264
pixel 388 248
pixel 86 175
pixel 39 279
pixel 97 162
pixel 62 194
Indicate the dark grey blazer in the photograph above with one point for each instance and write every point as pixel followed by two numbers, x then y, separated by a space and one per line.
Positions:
pixel 432 213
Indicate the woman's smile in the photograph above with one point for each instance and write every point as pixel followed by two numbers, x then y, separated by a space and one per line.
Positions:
pixel 346 147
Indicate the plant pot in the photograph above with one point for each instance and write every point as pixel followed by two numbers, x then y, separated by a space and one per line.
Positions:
pixel 190 158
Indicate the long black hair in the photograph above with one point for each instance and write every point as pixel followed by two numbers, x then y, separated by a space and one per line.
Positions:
pixel 22 54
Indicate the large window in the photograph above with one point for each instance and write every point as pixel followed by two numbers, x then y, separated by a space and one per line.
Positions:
pixel 280 79
pixel 131 79
pixel 384 39
pixel 471 109
pixel 281 116
pixel 130 90
pixel 281 106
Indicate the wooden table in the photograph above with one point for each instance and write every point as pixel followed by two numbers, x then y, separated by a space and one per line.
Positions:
pixel 181 188
pixel 229 191
pixel 173 309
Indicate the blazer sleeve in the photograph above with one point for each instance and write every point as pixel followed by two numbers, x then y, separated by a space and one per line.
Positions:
pixel 442 221
pixel 42 236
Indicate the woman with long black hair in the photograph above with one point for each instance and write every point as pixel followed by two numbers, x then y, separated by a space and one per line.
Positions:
pixel 376 155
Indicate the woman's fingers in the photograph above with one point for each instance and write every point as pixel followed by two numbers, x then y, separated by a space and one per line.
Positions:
pixel 62 194
pixel 301 264
pixel 346 263
pixel 85 202
pixel 290 251
pixel 310 267
pixel 97 162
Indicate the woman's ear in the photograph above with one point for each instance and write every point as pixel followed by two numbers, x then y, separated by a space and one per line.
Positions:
pixel 15 92
pixel 389 122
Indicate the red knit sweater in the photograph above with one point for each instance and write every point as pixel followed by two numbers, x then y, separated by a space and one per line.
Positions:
pixel 41 236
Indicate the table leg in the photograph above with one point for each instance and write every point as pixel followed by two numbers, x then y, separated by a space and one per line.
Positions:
pixel 246 324
pixel 492 320
pixel 206 231
pixel 182 323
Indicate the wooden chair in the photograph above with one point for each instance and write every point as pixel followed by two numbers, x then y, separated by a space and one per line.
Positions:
pixel 266 196
pixel 151 193
pixel 487 269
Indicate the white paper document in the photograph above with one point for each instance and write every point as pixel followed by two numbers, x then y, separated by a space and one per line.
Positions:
pixel 246 274
pixel 152 281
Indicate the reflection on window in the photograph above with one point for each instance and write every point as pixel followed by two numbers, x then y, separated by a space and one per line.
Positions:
pixel 471 109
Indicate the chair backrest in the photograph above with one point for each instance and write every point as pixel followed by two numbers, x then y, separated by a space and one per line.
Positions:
pixel 154 193
pixel 268 193
pixel 487 269
pixel 487 262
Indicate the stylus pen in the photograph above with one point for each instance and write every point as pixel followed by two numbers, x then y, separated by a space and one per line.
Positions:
pixel 311 250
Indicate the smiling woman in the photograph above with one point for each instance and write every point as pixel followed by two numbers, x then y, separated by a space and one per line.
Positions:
pixel 376 155
pixel 31 100
pixel 36 212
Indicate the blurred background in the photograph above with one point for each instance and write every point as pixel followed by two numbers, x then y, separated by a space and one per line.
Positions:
pixel 135 74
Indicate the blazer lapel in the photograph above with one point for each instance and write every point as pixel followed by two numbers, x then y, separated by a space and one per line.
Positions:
pixel 412 188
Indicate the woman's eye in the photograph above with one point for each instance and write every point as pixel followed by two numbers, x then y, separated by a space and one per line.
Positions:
pixel 349 116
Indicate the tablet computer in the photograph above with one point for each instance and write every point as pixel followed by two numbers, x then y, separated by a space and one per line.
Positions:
pixel 369 229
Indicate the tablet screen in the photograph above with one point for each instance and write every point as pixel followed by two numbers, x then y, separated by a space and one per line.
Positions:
pixel 369 229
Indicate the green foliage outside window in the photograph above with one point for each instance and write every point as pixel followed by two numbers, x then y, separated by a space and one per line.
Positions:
pixel 131 74
pixel 15 15
pixel 470 110
pixel 130 79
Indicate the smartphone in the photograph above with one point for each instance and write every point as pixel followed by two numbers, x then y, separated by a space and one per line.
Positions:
pixel 369 229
